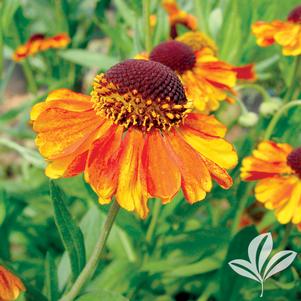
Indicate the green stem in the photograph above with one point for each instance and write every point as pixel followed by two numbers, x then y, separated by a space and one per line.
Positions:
pixel 241 207
pixel 260 90
pixel 293 90
pixel 202 25
pixel 92 264
pixel 278 115
pixel 284 241
pixel 1 55
pixel 152 225
pixel 147 29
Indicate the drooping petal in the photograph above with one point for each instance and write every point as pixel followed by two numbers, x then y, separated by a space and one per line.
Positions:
pixel 162 174
pixel 102 166
pixel 219 174
pixel 131 191
pixel 196 180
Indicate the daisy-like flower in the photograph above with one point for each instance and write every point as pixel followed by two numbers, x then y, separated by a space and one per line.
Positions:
pixel 277 168
pixel 134 138
pixel 199 41
pixel 285 33
pixel 207 80
pixel 177 16
pixel 10 285
pixel 38 43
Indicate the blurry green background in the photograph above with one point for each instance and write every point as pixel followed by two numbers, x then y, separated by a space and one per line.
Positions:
pixel 186 257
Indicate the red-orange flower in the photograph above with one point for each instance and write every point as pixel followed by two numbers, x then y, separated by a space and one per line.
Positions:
pixel 178 16
pixel 38 43
pixel 135 138
pixel 207 80
pixel 10 285
pixel 285 33
pixel 277 167
pixel 199 41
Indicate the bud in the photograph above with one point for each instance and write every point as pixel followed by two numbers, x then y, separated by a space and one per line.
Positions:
pixel 248 119
pixel 269 107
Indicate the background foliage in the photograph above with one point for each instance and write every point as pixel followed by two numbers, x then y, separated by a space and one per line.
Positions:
pixel 48 231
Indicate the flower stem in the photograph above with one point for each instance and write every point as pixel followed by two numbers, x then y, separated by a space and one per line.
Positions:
pixel 293 90
pixel 92 264
pixel 259 89
pixel 278 115
pixel 152 225
pixel 147 29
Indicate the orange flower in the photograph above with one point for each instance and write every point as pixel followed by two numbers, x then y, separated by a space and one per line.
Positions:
pixel 10 285
pixel 277 167
pixel 130 138
pixel 198 41
pixel 178 16
pixel 285 33
pixel 207 80
pixel 38 43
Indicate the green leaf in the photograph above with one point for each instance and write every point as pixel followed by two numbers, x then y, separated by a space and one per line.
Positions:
pixel 51 278
pixel 70 233
pixel 88 59
pixel 238 249
pixel 102 295
pixel 7 12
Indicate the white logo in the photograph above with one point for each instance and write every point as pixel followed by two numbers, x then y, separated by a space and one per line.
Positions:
pixel 253 268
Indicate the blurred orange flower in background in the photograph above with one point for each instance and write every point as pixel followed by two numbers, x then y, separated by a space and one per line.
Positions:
pixel 130 138
pixel 38 43
pixel 277 167
pixel 285 33
pixel 10 285
pixel 178 16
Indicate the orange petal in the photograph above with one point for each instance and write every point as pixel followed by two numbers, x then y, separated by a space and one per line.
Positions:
pixel 131 189
pixel 245 72
pixel 215 149
pixel 162 174
pixel 64 99
pixel 10 285
pixel 60 132
pixel 102 166
pixel 196 180
pixel 205 124
pixel 219 174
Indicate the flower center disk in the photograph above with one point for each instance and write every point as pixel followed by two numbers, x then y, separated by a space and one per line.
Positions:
pixel 295 15
pixel 294 160
pixel 176 55
pixel 140 93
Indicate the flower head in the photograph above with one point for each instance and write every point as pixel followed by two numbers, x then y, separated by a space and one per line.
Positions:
pixel 10 285
pixel 135 138
pixel 38 43
pixel 285 33
pixel 178 16
pixel 207 80
pixel 277 168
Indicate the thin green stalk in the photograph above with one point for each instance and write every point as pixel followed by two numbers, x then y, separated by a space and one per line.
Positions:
pixel 241 207
pixel 260 90
pixel 152 225
pixel 202 24
pixel 92 264
pixel 293 91
pixel 147 28
pixel 1 55
pixel 284 241
pixel 278 115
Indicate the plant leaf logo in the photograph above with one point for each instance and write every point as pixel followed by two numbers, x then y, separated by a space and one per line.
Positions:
pixel 259 250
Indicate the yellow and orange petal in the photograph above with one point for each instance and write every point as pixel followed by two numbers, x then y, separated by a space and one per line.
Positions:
pixel 285 33
pixel 277 168
pixel 134 139
pixel 207 80
pixel 38 43
pixel 245 72
pixel 10 285
pixel 198 41
pixel 178 16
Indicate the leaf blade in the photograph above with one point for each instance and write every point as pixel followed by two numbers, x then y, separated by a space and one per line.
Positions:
pixel 70 233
